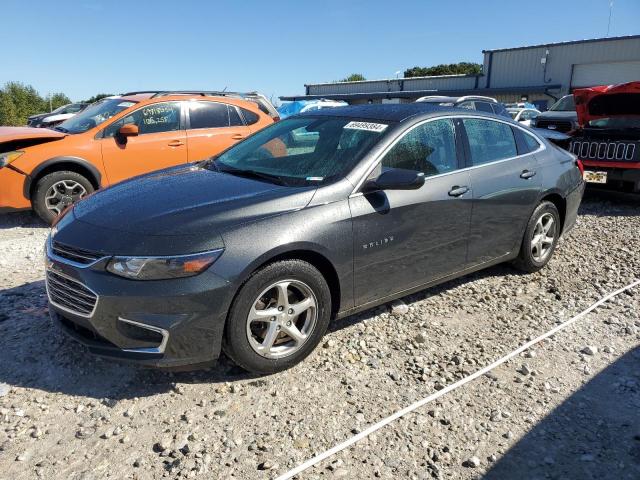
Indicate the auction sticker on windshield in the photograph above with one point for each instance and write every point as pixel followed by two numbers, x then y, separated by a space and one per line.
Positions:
pixel 371 127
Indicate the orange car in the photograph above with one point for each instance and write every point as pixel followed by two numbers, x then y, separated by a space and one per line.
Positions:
pixel 118 138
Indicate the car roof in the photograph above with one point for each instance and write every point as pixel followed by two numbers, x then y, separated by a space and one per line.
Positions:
pixel 387 112
pixel 449 99
pixel 150 97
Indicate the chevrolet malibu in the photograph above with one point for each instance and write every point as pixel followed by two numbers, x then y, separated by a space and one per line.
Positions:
pixel 319 216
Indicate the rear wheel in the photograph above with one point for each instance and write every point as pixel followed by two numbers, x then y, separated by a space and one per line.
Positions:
pixel 540 238
pixel 56 191
pixel 278 317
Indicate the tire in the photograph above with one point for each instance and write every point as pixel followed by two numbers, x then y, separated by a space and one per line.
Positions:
pixel 55 182
pixel 244 340
pixel 531 257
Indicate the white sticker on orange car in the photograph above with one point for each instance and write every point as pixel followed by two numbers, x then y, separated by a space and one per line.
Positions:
pixel 370 127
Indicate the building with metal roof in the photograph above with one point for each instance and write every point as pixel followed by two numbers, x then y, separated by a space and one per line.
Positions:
pixel 539 73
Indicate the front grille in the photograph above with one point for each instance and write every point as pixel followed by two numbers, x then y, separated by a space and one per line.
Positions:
pixel 559 125
pixel 605 150
pixel 69 294
pixel 74 254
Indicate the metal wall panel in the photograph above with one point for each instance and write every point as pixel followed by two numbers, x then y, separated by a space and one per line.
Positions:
pixel 523 67
pixel 590 74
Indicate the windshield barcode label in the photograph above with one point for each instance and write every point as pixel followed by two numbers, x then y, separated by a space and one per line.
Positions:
pixel 371 127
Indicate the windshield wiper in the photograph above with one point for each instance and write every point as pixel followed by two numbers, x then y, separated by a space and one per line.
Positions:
pixel 277 179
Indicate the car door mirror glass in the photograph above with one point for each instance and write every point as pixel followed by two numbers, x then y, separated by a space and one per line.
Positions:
pixel 396 179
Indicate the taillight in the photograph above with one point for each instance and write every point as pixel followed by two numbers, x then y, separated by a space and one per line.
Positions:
pixel 580 166
pixel 276 118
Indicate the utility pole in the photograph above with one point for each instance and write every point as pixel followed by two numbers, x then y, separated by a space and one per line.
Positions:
pixel 50 105
pixel 610 12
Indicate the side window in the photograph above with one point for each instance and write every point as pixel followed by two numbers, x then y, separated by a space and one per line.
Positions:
pixel 468 105
pixel 531 143
pixel 249 116
pixel 208 115
pixel 499 109
pixel 234 117
pixel 489 140
pixel 429 148
pixel 154 118
pixel 484 107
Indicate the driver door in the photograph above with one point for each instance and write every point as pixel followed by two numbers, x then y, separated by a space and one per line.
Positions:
pixel 406 238
pixel 161 142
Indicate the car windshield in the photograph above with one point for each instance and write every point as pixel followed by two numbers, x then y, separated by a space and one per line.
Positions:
pixel 616 123
pixel 94 115
pixel 565 104
pixel 73 108
pixel 302 151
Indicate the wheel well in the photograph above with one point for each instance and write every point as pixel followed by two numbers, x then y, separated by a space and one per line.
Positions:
pixel 322 264
pixel 64 166
pixel 561 205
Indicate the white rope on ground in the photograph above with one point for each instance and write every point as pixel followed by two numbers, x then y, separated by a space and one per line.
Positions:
pixel 400 413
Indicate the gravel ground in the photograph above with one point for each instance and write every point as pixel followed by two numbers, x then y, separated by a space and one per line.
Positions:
pixel 565 409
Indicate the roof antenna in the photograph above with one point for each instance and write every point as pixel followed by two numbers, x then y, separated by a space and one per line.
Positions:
pixel 609 22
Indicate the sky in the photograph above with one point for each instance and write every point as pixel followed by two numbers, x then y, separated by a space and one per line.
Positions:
pixel 85 47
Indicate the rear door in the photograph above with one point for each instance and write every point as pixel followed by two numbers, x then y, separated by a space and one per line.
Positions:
pixel 212 127
pixel 506 187
pixel 161 142
pixel 406 238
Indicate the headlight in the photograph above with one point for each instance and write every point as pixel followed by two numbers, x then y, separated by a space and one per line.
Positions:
pixel 7 157
pixel 159 268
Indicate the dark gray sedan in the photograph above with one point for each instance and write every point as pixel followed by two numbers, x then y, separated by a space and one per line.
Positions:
pixel 315 217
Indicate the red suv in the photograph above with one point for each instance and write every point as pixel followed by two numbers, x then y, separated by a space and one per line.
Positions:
pixel 608 137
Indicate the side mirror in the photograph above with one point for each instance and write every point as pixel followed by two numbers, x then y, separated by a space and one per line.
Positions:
pixel 396 179
pixel 129 130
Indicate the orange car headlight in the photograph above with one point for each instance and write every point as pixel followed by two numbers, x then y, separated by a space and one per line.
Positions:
pixel 7 157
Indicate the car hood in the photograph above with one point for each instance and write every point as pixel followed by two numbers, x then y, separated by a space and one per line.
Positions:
pixel 10 134
pixel 187 201
pixel 607 101
pixel 550 114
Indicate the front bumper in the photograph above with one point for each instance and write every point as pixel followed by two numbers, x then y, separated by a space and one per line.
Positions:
pixel 12 191
pixel 160 323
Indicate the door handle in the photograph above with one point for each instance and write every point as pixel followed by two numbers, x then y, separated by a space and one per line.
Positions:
pixel 175 143
pixel 457 191
pixel 237 136
pixel 527 174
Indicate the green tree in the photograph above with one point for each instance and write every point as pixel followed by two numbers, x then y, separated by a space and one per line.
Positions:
pixel 461 68
pixel 57 100
pixel 8 115
pixel 354 77
pixel 26 101
pixel 97 97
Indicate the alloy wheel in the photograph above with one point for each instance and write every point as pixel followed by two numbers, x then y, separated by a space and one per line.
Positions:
pixel 282 318
pixel 62 194
pixel 544 235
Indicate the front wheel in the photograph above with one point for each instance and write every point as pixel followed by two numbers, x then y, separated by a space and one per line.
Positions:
pixel 540 238
pixel 278 317
pixel 56 191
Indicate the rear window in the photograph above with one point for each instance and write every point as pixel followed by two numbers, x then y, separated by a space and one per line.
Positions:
pixel 526 142
pixel 249 116
pixel 484 107
pixel 208 115
pixel 489 140
pixel 234 117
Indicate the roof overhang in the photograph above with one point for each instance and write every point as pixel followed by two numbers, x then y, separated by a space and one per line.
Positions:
pixel 422 93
